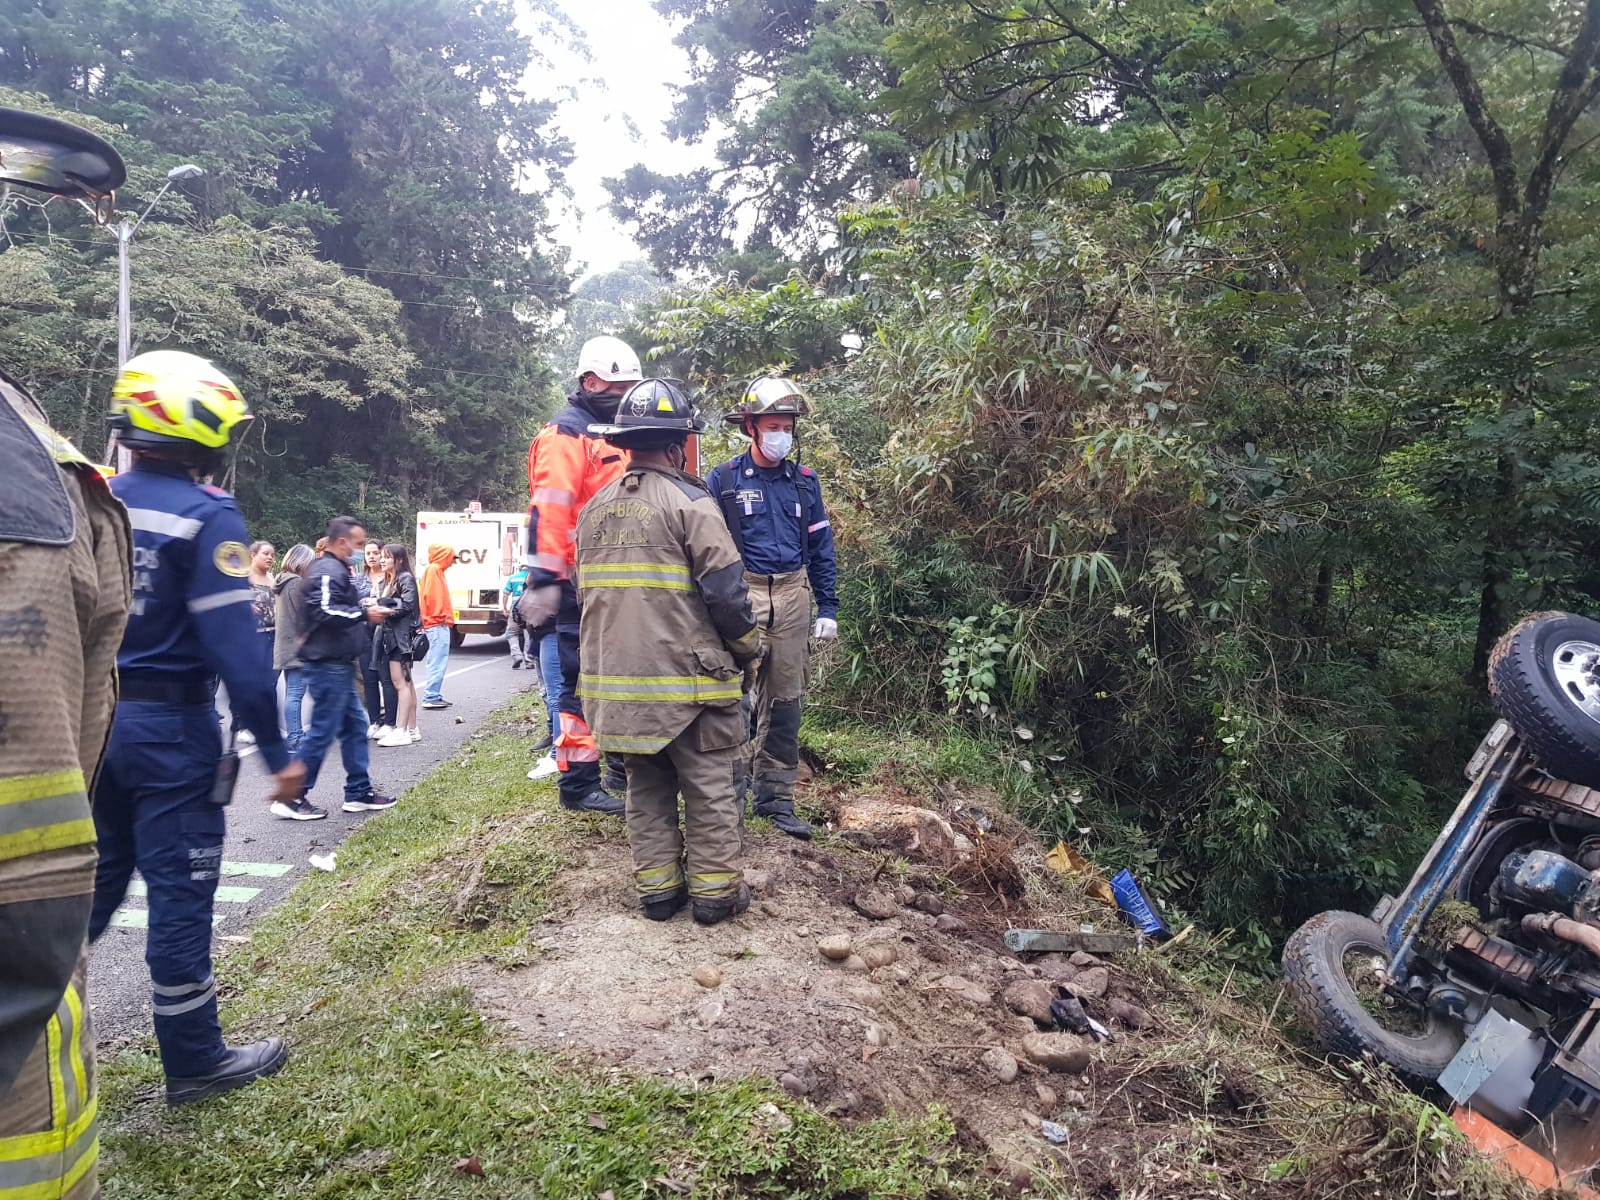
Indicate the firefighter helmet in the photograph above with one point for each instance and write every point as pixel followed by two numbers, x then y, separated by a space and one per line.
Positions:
pixel 768 395
pixel 175 404
pixel 650 408
pixel 611 358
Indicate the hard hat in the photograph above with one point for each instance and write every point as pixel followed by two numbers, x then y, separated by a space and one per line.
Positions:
pixel 176 403
pixel 651 407
pixel 768 395
pixel 610 358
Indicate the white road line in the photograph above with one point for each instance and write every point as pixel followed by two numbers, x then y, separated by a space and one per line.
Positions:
pixel 488 662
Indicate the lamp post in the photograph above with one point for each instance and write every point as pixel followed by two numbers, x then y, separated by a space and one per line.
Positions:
pixel 123 231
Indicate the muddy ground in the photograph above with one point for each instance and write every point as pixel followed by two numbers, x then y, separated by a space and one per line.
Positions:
pixel 921 1010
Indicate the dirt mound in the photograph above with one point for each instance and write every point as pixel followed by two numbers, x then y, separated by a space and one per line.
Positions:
pixel 915 1006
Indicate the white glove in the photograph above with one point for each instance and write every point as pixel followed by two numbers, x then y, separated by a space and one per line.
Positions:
pixel 827 629
pixel 538 605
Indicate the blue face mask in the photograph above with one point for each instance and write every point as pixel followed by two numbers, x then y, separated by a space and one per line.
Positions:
pixel 776 444
pixel 358 558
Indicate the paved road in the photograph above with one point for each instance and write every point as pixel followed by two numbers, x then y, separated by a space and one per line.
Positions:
pixel 264 856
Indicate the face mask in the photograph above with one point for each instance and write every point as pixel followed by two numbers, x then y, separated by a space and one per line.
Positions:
pixel 776 444
pixel 358 558
pixel 600 404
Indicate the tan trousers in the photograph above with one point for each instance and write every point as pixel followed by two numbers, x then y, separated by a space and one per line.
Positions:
pixel 698 765
pixel 782 607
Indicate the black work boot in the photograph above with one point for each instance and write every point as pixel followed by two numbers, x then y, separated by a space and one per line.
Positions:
pixel 665 907
pixel 239 1066
pixel 709 912
pixel 597 801
pixel 782 815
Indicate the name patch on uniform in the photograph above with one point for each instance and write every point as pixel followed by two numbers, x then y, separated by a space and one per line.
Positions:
pixel 748 496
pixel 232 559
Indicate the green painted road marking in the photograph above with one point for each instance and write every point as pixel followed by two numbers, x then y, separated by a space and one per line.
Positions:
pixel 229 895
pixel 139 918
pixel 271 870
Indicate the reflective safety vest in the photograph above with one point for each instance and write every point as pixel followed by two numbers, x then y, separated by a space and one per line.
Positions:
pixel 666 618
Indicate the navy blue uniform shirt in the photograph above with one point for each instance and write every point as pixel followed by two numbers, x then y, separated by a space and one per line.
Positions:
pixel 192 615
pixel 779 523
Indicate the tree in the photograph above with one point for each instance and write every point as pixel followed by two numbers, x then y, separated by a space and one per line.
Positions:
pixel 1522 199
pixel 795 84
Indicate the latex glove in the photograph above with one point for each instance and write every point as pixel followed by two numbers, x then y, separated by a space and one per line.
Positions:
pixel 538 605
pixel 827 629
pixel 286 784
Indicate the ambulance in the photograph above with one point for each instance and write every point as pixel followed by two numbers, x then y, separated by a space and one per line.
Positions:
pixel 488 550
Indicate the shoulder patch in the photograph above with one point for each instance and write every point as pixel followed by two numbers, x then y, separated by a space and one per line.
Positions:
pixel 807 471
pixel 232 558
pixel 690 487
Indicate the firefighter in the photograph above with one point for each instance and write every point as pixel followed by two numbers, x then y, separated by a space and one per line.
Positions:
pixel 65 567
pixel 773 508
pixel 567 465
pixel 157 803
pixel 667 637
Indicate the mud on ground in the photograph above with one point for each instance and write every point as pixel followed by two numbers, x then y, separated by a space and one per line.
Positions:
pixel 919 1012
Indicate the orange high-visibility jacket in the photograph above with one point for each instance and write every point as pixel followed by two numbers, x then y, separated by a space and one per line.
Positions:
pixel 566 467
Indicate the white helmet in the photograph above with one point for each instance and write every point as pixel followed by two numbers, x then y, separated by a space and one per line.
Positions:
pixel 610 358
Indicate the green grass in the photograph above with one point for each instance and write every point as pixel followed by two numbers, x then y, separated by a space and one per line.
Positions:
pixel 394 1077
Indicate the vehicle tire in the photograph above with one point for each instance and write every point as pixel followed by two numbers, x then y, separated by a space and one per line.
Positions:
pixel 1322 968
pixel 1540 681
pixel 456 638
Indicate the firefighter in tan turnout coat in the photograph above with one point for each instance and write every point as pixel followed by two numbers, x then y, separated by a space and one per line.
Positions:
pixel 668 645
pixel 66 565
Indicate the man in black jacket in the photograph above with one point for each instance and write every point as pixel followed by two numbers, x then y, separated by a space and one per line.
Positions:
pixel 337 623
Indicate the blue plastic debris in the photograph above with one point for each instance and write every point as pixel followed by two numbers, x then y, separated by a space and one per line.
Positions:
pixel 1136 907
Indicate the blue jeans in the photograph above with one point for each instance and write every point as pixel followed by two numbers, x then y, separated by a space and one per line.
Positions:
pixel 336 712
pixel 433 666
pixel 294 695
pixel 550 678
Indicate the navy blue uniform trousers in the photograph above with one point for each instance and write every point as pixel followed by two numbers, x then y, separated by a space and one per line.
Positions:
pixel 153 810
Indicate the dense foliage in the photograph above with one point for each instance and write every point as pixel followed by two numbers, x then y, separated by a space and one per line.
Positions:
pixel 368 253
pixel 1227 386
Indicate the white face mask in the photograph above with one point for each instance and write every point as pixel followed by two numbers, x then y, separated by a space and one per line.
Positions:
pixel 776 444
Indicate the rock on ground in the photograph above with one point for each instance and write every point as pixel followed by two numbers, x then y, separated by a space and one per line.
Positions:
pixel 1030 998
pixel 1001 1062
pixel 1063 1052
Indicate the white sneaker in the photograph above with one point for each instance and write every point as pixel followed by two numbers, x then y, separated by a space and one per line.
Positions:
pixel 395 737
pixel 544 768
pixel 379 732
pixel 245 737
pixel 416 734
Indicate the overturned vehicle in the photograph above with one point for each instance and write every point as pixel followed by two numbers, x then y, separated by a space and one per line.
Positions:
pixel 1482 978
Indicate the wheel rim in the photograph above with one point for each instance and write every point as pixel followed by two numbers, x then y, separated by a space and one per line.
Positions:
pixel 1572 664
pixel 1364 968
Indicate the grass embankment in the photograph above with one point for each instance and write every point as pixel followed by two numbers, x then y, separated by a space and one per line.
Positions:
pixel 398 1087
pixel 394 1079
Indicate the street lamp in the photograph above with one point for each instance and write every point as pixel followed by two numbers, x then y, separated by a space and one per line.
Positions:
pixel 123 231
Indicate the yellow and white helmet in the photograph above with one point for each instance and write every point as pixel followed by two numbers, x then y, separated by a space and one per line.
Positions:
pixel 176 403
pixel 767 394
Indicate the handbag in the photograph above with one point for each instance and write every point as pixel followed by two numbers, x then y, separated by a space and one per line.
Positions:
pixel 420 644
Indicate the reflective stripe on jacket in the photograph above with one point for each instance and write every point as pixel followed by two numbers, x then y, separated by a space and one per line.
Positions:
pixel 666 618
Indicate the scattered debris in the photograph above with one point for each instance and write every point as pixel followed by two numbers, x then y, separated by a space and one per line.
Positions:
pixel 1056 1135
pixel 325 862
pixel 469 1166
pixel 1048 941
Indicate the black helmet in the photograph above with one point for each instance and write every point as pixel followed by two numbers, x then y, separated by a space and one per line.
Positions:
pixel 649 409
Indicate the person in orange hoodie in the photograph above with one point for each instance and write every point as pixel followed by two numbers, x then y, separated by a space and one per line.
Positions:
pixel 438 618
